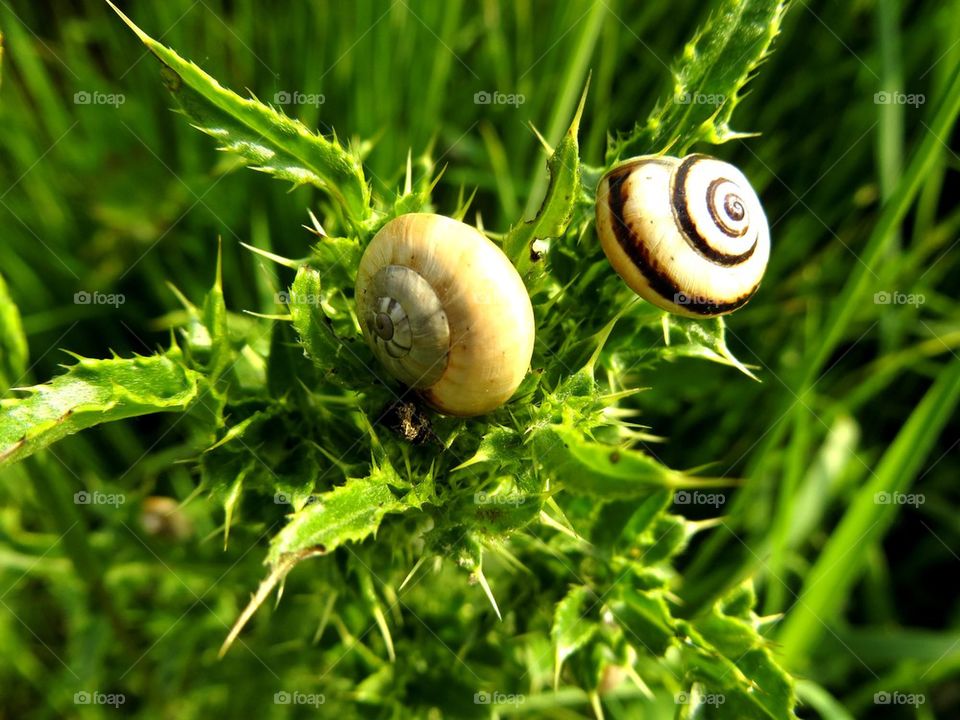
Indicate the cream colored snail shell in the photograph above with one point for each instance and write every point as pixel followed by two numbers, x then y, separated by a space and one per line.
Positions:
pixel 445 312
pixel 689 235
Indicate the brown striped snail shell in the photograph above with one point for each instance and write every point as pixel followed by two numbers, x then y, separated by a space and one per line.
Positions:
pixel 445 312
pixel 688 235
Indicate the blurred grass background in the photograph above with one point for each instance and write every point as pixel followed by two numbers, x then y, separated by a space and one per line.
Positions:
pixel 126 198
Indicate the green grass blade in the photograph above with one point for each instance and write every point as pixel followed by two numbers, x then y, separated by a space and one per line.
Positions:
pixel 858 287
pixel 827 586
pixel 13 343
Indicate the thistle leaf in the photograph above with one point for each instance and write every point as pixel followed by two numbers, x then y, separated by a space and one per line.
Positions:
pixel 645 619
pixel 92 392
pixel 214 318
pixel 733 661
pixel 586 467
pixel 320 340
pixel 707 81
pixel 571 631
pixel 260 135
pixel 348 513
pixel 704 339
pixel 556 212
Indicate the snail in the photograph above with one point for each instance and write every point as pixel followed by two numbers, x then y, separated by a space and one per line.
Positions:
pixel 445 312
pixel 689 235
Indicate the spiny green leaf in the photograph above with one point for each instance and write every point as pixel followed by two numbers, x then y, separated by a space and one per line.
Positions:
pixel 625 520
pixel 288 371
pixel 704 339
pixel 268 139
pixel 645 619
pixel 93 392
pixel 556 212
pixel 338 258
pixel 666 537
pixel 498 445
pixel 348 513
pixel 214 317
pixel 453 542
pixel 13 343
pixel 707 80
pixel 587 467
pixel 571 629
pixel 317 335
pixel 500 513
pixel 735 662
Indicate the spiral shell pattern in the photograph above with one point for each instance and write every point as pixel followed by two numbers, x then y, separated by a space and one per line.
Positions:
pixel 689 235
pixel 407 326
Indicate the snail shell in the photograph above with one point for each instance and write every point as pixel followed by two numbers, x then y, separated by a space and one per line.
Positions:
pixel 445 312
pixel 689 235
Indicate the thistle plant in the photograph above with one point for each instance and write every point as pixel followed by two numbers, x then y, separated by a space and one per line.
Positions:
pixel 526 559
pixel 549 487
